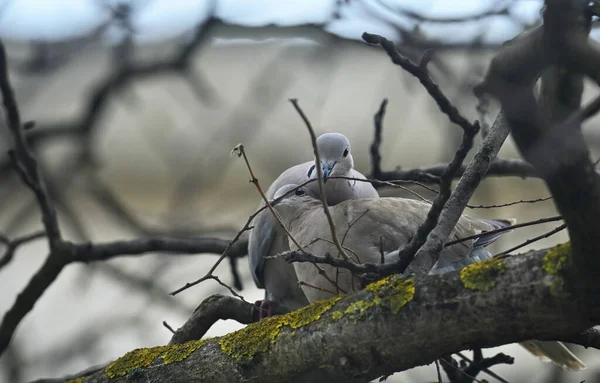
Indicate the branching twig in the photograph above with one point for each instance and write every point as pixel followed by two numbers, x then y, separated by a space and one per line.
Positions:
pixel 420 72
pixel 535 239
pixel 11 246
pixel 240 150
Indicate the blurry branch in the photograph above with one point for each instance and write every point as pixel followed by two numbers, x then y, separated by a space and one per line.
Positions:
pixel 557 150
pixel 12 245
pixel 375 146
pixel 27 169
pixel 103 251
pixel 63 252
pixel 466 374
pixel 397 10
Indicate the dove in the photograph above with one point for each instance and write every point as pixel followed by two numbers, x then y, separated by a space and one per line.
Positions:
pixel 366 228
pixel 267 238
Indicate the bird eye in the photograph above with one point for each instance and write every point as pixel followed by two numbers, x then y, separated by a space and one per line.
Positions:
pixel 346 151
pixel 299 192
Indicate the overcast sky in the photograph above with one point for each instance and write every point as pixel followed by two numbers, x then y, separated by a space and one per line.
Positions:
pixel 159 19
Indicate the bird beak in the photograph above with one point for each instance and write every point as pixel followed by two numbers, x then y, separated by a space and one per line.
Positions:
pixel 327 169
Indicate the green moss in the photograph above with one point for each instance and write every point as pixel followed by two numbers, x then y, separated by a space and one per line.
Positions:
pixel 392 292
pixel 78 380
pixel 556 258
pixel 257 337
pixel 143 357
pixel 481 275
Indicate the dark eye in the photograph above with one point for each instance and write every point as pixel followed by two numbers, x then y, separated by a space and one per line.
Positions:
pixel 299 192
pixel 346 151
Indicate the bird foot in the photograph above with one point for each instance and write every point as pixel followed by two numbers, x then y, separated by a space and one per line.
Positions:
pixel 265 308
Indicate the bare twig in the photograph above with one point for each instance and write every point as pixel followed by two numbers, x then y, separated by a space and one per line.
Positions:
pixel 509 203
pixel 431 175
pixel 11 246
pixel 420 72
pixel 313 139
pixel 241 152
pixel 507 228
pixel 535 239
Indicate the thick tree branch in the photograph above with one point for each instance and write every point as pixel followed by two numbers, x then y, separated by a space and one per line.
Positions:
pixel 294 342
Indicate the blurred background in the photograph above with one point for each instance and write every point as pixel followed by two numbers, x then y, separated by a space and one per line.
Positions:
pixel 138 103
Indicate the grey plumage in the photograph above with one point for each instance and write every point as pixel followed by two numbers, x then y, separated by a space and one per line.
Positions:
pixel 369 227
pixel 267 238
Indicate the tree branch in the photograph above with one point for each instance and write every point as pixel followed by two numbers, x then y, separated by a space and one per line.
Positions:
pixel 429 253
pixel 212 309
pixel 90 252
pixel 294 342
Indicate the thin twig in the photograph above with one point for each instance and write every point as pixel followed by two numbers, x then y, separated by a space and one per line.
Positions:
pixel 510 203
pixel 535 239
pixel 420 72
pixel 302 283
pixel 11 246
pixel 241 152
pixel 22 156
pixel 313 139
pixel 503 229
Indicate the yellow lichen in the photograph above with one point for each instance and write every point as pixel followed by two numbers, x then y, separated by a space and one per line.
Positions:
pixel 78 380
pixel 141 357
pixel 358 309
pixel 392 292
pixel 556 258
pixel 481 275
pixel 257 337
pixel 178 352
pixel 337 315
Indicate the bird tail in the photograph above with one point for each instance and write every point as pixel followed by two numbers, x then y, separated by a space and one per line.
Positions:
pixel 555 352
